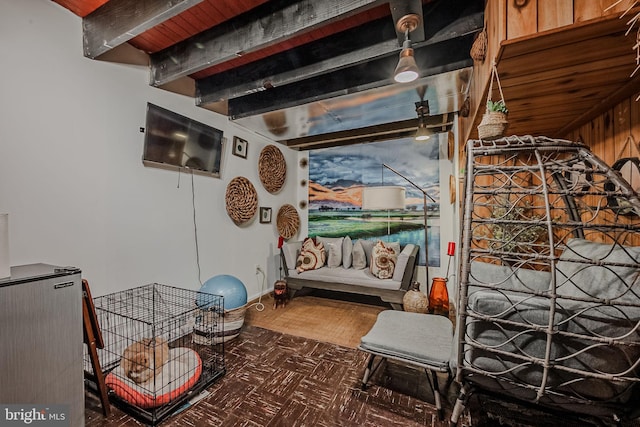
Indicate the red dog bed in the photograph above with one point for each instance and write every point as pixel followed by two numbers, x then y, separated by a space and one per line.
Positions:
pixel 178 375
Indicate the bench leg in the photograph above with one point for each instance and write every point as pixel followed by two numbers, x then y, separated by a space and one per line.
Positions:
pixel 367 372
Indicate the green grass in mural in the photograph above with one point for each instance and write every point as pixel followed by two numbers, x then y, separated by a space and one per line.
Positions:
pixel 338 225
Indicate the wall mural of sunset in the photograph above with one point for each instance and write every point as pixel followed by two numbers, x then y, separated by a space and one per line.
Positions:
pixel 337 176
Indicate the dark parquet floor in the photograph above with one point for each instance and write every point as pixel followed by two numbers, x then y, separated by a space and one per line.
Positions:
pixel 275 379
pixel 278 379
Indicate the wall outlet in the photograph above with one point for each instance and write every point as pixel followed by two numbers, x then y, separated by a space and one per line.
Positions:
pixel 258 269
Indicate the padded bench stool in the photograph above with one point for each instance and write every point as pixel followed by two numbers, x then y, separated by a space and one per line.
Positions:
pixel 423 340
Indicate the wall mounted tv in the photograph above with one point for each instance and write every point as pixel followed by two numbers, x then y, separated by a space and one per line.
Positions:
pixel 173 141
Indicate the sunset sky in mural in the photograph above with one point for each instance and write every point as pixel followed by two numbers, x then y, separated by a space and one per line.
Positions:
pixel 337 175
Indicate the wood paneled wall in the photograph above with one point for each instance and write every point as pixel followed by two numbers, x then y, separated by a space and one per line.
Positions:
pixel 512 19
pixel 526 17
pixel 607 135
pixel 614 134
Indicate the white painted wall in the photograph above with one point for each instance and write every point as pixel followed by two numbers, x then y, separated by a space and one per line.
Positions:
pixel 72 179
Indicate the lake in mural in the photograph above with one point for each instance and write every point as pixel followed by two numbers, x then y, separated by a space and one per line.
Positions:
pixel 337 176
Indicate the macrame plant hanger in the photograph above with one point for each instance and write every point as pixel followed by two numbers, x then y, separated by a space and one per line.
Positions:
pixel 494 123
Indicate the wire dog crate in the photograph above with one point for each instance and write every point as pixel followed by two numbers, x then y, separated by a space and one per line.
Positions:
pixel 549 299
pixel 152 362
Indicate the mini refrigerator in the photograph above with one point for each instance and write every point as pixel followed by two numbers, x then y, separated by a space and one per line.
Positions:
pixel 41 341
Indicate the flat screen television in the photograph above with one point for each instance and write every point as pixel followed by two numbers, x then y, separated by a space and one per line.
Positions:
pixel 173 141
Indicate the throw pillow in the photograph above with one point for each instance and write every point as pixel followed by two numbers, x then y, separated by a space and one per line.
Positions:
pixel 312 255
pixel 368 247
pixel 383 260
pixel 333 249
pixel 347 252
pixel 394 245
pixel 359 258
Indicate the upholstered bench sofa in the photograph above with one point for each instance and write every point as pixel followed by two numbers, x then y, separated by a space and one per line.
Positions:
pixel 345 270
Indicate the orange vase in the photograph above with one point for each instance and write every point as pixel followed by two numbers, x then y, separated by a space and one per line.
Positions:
pixel 439 297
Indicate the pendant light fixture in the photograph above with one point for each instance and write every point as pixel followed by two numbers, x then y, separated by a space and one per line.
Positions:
pixel 407 69
pixel 422 134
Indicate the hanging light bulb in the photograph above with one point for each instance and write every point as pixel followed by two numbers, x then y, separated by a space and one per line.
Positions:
pixel 407 69
pixel 422 134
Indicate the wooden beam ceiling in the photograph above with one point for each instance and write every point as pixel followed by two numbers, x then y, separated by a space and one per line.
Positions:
pixel 229 40
pixel 432 59
pixel 118 21
pixel 333 55
pixel 396 130
pixel 247 57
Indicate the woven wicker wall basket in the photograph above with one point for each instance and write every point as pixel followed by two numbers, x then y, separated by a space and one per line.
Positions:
pixel 272 168
pixel 241 199
pixel 287 221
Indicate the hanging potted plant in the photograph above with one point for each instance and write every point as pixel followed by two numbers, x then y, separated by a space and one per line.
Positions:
pixel 494 121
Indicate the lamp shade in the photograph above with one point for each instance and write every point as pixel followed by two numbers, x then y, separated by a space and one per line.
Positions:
pixel 383 198
pixel 422 133
pixel 407 69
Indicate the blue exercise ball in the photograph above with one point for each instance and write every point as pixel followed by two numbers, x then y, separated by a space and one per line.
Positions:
pixel 230 287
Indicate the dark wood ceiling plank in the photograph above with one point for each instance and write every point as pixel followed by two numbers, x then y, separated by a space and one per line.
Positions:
pixel 297 41
pixel 259 76
pixel 207 93
pixel 118 21
pixel 215 46
pixel 432 59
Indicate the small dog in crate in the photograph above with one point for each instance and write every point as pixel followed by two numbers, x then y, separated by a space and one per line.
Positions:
pixel 144 359
pixel 280 293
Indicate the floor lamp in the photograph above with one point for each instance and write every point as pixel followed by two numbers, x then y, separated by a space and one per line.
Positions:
pixel 386 197
pixel 424 198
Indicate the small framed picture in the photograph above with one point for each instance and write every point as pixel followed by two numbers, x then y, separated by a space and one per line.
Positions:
pixel 240 147
pixel 265 215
